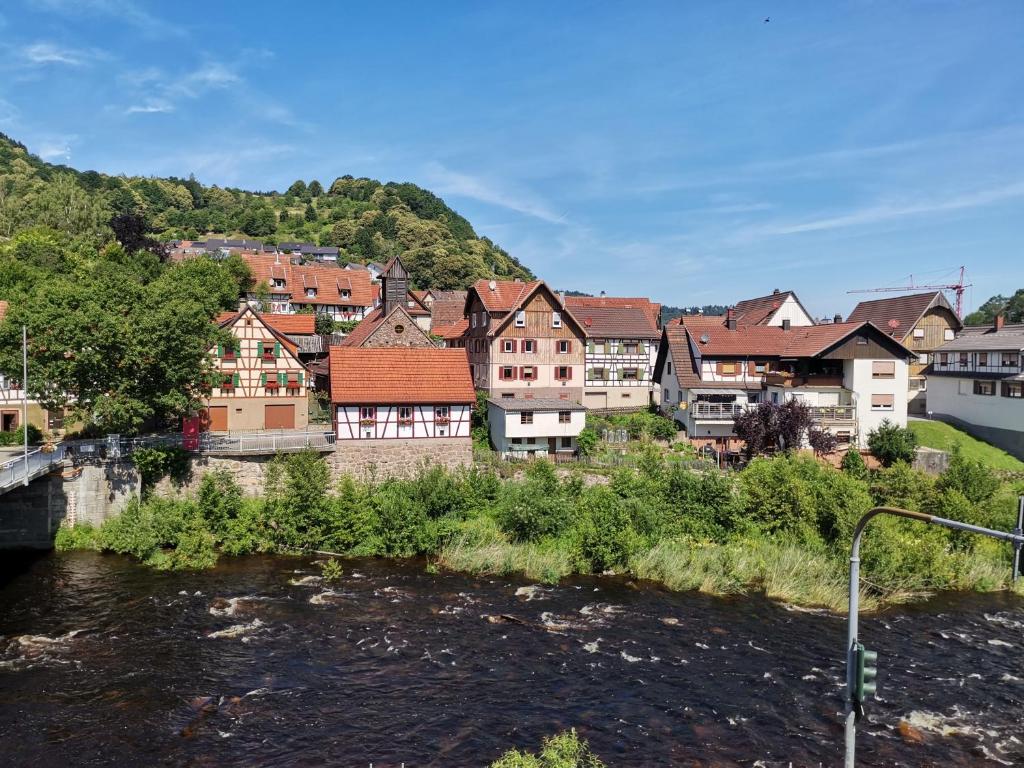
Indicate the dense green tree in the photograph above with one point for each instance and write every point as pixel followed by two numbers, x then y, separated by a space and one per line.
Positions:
pixel 315 188
pixel 890 443
pixel 297 189
pixel 1011 308
pixel 310 214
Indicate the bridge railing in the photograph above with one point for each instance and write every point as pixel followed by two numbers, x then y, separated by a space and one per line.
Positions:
pixel 39 462
pixel 265 443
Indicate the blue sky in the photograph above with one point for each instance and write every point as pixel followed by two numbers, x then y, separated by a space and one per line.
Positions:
pixel 691 152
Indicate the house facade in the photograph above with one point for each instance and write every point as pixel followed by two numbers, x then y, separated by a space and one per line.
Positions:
pixel 976 382
pixel 391 393
pixel 621 349
pixel 523 342
pixel 922 322
pixel 710 370
pixel 261 383
pixel 323 288
pixel 521 428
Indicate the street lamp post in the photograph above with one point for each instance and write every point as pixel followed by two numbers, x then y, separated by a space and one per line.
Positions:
pixel 855 652
pixel 24 394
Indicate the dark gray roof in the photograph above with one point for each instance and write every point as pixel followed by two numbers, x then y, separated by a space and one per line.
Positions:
pixel 308 345
pixel 515 404
pixel 1010 338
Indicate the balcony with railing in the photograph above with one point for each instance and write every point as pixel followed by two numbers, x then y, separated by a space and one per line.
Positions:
pixel 834 414
pixel 811 380
pixel 701 411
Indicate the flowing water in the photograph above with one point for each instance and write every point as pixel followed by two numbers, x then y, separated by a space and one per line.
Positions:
pixel 258 663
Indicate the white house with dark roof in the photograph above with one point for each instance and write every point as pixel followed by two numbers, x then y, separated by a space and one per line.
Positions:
pixel 522 428
pixel 976 382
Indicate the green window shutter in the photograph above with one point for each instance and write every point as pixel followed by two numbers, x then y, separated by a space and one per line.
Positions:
pixel 236 379
pixel 220 350
pixel 590 347
pixel 641 349
pixel 607 347
pixel 622 373
pixel 620 350
pixel 263 379
pixel 282 379
pixel 590 374
pixel 277 349
pixel 300 378
pixel 259 349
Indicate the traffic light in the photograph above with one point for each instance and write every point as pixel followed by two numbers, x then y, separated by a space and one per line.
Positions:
pixel 866 673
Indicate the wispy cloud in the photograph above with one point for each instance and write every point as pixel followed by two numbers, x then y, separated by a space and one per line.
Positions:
pixel 449 182
pixel 8 113
pixel 42 53
pixel 55 149
pixel 124 11
pixel 150 106
pixel 890 211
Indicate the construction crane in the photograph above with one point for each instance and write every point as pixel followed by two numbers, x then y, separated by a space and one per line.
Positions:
pixel 957 287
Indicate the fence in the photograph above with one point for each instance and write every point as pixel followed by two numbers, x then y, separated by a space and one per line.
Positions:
pixel 262 443
pixel 607 461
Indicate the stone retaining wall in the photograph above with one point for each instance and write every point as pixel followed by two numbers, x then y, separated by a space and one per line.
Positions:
pixel 362 459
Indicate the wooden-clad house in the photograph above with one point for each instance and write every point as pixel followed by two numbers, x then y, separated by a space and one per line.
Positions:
pixel 261 382
pixel 524 342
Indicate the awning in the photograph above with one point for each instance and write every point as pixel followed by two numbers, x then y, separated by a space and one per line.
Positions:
pixel 723 391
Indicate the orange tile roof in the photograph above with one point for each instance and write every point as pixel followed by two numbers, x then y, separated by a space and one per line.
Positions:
pixel 453 331
pixel 758 311
pixel 447 311
pixel 616 317
pixel 227 319
pixel 299 325
pixel 400 375
pixel 507 294
pixel 577 303
pixel 329 280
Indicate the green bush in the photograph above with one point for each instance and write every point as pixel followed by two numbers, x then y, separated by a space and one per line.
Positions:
pixel 330 570
pixel 890 443
pixel 156 463
pixel 900 485
pixel 17 436
pixel 403 528
pixel 605 534
pixel 567 750
pixel 219 499
pixel 969 476
pixel 853 464
pixel 82 536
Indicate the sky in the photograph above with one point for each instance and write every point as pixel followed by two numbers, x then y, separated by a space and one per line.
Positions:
pixel 690 152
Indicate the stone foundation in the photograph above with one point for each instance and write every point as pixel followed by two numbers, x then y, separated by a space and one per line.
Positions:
pixel 362 459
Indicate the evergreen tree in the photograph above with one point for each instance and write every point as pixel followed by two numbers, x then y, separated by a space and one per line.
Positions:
pixel 315 189
pixel 310 212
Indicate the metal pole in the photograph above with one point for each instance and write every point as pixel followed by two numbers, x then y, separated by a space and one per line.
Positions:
pixel 1016 537
pixel 24 393
pixel 1019 530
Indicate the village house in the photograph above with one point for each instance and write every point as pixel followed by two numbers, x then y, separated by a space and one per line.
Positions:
pixel 448 321
pixel 261 383
pixel 524 342
pixel 521 428
pixel 323 288
pixel 976 382
pixel 392 393
pixel 772 311
pixel 922 322
pixel 621 349
pixel 710 369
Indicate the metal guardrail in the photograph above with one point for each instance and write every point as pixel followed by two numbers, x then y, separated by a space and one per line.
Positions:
pixel 716 410
pixel 834 412
pixel 260 443
pixel 39 462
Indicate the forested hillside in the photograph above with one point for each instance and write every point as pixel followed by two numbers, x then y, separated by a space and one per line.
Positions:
pixel 367 220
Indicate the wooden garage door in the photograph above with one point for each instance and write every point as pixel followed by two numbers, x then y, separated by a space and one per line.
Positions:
pixel 217 418
pixel 279 417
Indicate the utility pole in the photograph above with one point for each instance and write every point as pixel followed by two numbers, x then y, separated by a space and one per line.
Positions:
pixel 24 393
pixel 858 658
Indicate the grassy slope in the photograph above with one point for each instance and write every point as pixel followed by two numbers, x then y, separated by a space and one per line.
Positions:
pixel 937 434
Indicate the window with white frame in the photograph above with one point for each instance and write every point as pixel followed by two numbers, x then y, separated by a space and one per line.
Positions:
pixel 442 412
pixel 529 347
pixel 520 318
pixel 564 347
pixel 948 334
pixel 919 333
pixel 405 413
pixel 556 319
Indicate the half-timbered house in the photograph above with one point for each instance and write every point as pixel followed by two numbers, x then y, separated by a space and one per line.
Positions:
pixel 392 393
pixel 325 288
pixel 261 383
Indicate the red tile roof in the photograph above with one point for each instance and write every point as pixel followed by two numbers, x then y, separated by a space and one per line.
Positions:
pixel 298 325
pixel 897 315
pixel 227 319
pixel 394 375
pixel 329 280
pixel 616 318
pixel 507 294
pixel 578 303
pixel 766 340
pixel 758 311
pixel 453 331
pixel 447 311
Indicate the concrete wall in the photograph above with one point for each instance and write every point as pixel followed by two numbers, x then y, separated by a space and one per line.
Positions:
pixel 30 516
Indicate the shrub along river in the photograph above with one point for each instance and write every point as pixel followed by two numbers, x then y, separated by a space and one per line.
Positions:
pixel 259 663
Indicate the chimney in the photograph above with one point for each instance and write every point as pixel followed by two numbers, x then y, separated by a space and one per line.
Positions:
pixel 492 285
pixel 242 304
pixel 603 294
pixel 837 319
pixel 730 319
pixel 776 292
pixel 561 298
pixel 999 321
pixel 786 325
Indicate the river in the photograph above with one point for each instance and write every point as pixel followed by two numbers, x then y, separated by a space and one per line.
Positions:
pixel 257 663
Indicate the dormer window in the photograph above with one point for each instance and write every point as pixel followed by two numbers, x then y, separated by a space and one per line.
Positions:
pixel 520 318
pixel 311 293
pixel 346 294
pixel 556 319
pixel 278 282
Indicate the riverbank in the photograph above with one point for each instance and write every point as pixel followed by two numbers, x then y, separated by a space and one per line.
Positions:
pixel 781 526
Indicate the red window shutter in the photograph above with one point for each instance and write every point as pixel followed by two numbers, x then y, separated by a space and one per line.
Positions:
pixel 514 345
pixel 751 368
pixel 568 371
pixel 718 367
pixel 522 372
pixel 568 348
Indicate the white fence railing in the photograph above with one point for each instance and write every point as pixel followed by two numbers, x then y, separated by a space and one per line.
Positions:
pixel 265 443
pixel 39 462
